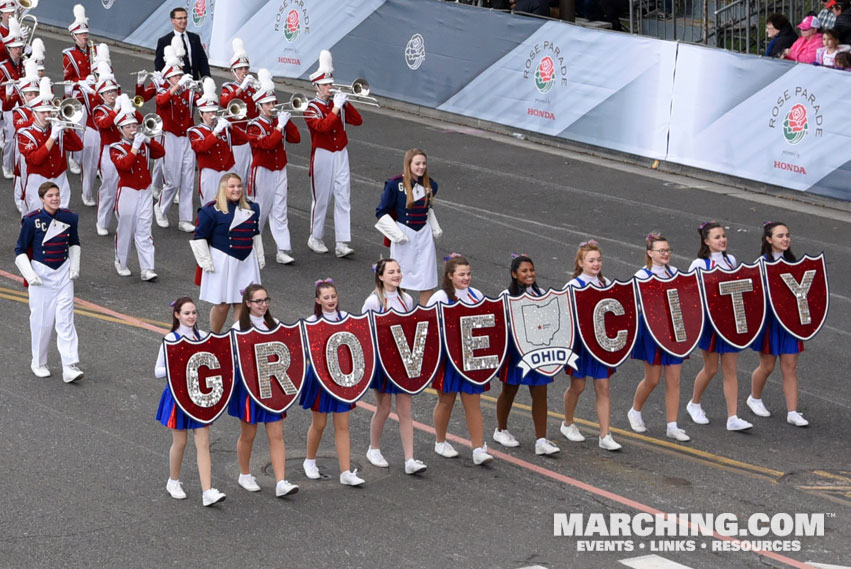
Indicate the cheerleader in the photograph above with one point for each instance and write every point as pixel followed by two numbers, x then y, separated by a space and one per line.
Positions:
pixel 406 219
pixel 588 270
pixel 226 236
pixel 255 313
pixel 449 383
pixel 712 253
pixel 774 341
pixel 523 280
pixel 389 296
pixel 48 257
pixel 315 398
pixel 183 324
pixel 657 256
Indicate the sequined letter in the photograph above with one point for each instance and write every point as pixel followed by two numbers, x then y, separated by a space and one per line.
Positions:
pixel 736 289
pixel 607 343
pixel 470 343
pixel 801 291
pixel 676 315
pixel 412 359
pixel 332 356
pixel 277 368
pixel 212 384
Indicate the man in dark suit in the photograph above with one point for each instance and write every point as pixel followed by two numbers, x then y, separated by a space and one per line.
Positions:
pixel 195 63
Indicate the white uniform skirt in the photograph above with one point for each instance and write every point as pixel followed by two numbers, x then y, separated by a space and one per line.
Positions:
pixel 417 258
pixel 230 277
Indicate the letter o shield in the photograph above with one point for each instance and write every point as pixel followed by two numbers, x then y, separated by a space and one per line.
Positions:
pixel 342 355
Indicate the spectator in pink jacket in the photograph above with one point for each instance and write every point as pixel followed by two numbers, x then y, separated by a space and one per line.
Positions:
pixel 804 50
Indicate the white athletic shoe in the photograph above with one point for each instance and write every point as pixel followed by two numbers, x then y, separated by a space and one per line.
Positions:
pixel 758 407
pixel 212 496
pixel 571 432
pixel 677 434
pixel 413 466
pixel 351 478
pixel 248 482
pixel 445 449
pixel 795 418
pixel 122 271
pixel 175 489
pixel 375 458
pixel 736 424
pixel 89 202
pixel 73 166
pixel 283 258
pixel 696 413
pixel 545 447
pixel 71 373
pixel 343 250
pixel 310 469
pixel 481 456
pixel 149 275
pixel 316 245
pixel 186 227
pixel 40 371
pixel 505 438
pixel 101 230
pixel 284 488
pixel 8 173
pixel 162 220
pixel 609 443
pixel 636 422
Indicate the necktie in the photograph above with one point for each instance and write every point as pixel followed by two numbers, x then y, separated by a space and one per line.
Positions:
pixel 188 65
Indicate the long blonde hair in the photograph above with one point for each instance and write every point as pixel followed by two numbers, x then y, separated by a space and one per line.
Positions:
pixel 221 194
pixel 408 177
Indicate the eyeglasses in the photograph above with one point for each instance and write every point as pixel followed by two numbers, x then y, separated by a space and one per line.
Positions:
pixel 663 251
pixel 261 300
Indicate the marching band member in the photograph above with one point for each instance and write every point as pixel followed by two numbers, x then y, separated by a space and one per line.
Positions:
pixel 11 70
pixel 184 318
pixel 175 104
pixel 326 119
pixel 213 141
pixel 133 202
pixel 657 257
pixel 48 257
pixel 406 218
pixel 712 253
pixel 523 280
pixel 86 92
pixel 255 314
pixel 22 117
pixel 8 8
pixel 268 135
pixel 44 146
pixel 774 341
pixel 241 88
pixel 148 93
pixel 104 117
pixel 77 63
pixel 448 382
pixel 225 238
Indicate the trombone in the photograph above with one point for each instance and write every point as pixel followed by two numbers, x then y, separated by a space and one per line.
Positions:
pixel 296 106
pixel 357 91
pixel 236 110
pixel 30 30
pixel 69 113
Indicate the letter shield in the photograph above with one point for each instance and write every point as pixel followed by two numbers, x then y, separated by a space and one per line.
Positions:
pixel 272 365
pixel 799 294
pixel 607 320
pixel 672 310
pixel 735 302
pixel 200 375
pixel 475 338
pixel 542 327
pixel 342 355
pixel 408 347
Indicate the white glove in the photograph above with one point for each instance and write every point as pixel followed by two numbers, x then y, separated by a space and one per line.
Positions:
pixel 56 129
pixel 436 231
pixel 9 90
pixel 140 77
pixel 86 85
pixel 91 80
pixel 258 250
pixel 157 77
pixel 340 99
pixel 139 140
pixel 387 226
pixel 26 270
pixel 28 49
pixel 201 250
pixel 283 118
pixel 185 80
pixel 221 125
pixel 74 257
pixel 245 83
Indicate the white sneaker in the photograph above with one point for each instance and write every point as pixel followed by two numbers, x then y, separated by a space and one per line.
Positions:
pixel 696 413
pixel 176 200
pixel 71 373
pixel 73 165
pixel 445 449
pixel 609 443
pixel 283 258
pixel 636 422
pixel 736 424
pixel 310 469
pixel 481 456
pixel 343 250
pixel 248 482
pixel 544 446
pixel 122 271
pixel 571 432
pixel 212 496
pixel 149 275
pixel 677 434
pixel 505 438
pixel 375 458
pixel 8 173
pixel 101 230
pixel 758 407
pixel 155 191
pixel 162 220
pixel 89 202
pixel 40 371
pixel 186 227
pixel 351 478
pixel 284 488
pixel 175 490
pixel 795 418
pixel 413 466
pixel 316 245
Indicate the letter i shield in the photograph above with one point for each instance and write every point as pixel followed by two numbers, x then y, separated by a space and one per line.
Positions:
pixel 200 375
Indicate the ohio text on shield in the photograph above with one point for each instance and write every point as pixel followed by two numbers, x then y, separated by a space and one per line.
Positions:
pixel 542 328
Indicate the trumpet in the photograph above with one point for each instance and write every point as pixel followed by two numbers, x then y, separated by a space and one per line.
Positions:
pixel 296 106
pixel 195 85
pixel 236 110
pixel 138 101
pixel 69 113
pixel 152 125
pixel 357 91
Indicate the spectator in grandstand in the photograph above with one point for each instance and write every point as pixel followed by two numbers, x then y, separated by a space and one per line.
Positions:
pixel 532 7
pixel 826 55
pixel 843 61
pixel 804 49
pixel 781 35
pixel 842 25
pixel 826 15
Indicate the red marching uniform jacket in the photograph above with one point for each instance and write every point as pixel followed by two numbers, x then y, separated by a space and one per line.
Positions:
pixel 133 169
pixel 328 130
pixel 48 163
pixel 267 142
pixel 176 110
pixel 22 117
pixel 89 102
pixel 10 72
pixel 104 117
pixel 229 94
pixel 147 92
pixel 76 64
pixel 212 151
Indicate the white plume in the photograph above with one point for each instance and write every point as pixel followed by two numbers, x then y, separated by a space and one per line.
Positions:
pixel 14 28
pixel 209 89
pixel 238 48
pixel 38 50
pixel 265 79
pixel 325 62
pixel 79 12
pixel 45 90
pixel 30 71
pixel 177 44
pixel 103 53
pixel 104 72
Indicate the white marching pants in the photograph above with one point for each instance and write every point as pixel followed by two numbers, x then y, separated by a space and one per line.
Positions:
pixel 52 305
pixel 8 140
pixel 20 179
pixel 134 210
pixel 108 188
pixel 331 177
pixel 157 167
pixel 242 158
pixel 89 164
pixel 31 191
pixel 208 184
pixel 178 176
pixel 270 193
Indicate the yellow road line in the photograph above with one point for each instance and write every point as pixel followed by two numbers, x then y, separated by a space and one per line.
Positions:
pixel 81 311
pixel 832 476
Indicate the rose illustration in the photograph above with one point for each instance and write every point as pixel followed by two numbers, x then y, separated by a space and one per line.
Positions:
pixel 547 69
pixel 292 21
pixel 798 118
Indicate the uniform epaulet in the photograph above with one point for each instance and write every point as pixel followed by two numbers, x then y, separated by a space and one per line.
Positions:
pixel 209 203
pixel 68 50
pixel 33 213
pixel 396 178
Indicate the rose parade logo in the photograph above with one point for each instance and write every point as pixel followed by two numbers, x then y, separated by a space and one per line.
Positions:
pixel 199 12
pixel 545 64
pixel 292 19
pixel 795 125
pixel 107 4
pixel 415 52
pixel 545 75
pixel 798 113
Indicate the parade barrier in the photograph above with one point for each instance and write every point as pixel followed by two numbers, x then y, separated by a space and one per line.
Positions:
pixel 763 120
pixel 474 339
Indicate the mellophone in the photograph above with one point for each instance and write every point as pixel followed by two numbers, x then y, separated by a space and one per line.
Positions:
pixel 410 347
